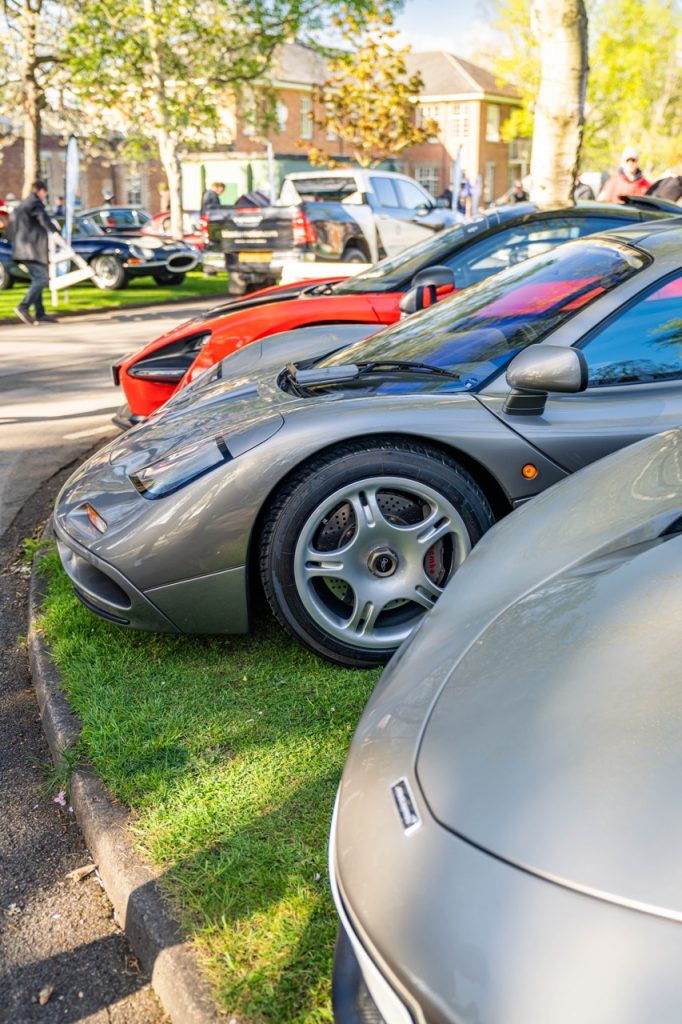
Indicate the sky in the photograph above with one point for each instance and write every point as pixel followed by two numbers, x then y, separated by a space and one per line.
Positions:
pixel 465 29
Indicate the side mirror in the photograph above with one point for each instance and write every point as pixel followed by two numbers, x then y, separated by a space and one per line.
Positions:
pixel 439 276
pixel 419 297
pixel 539 370
pixel 423 210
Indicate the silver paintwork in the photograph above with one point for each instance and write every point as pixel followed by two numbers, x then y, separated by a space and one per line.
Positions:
pixel 538 724
pixel 548 368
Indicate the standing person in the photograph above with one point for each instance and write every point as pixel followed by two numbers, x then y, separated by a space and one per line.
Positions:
pixel 60 209
pixel 29 228
pixel 464 198
pixel 627 181
pixel 211 197
pixel 581 190
pixel 519 194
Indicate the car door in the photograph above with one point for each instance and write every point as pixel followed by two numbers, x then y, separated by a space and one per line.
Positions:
pixel 518 242
pixel 386 208
pixel 419 214
pixel 634 361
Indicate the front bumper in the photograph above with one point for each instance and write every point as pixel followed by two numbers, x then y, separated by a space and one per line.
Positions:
pixel 361 991
pixel 178 263
pixel 214 603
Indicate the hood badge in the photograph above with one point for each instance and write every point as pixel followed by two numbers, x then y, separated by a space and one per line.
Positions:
pixel 407 808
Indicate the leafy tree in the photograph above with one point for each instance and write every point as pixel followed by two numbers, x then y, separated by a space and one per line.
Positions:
pixel 169 70
pixel 31 59
pixel 369 98
pixel 635 89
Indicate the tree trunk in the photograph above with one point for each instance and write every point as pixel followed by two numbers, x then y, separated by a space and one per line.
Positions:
pixel 560 27
pixel 168 146
pixel 32 97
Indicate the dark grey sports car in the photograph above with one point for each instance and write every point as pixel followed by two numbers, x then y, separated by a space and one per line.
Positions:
pixel 351 487
pixel 507 844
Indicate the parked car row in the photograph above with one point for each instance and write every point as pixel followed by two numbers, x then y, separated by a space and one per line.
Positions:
pixel 115 256
pixel 364 454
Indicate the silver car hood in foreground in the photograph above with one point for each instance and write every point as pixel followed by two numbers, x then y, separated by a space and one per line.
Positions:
pixel 535 718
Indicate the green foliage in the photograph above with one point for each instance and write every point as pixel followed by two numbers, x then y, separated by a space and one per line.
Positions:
pixel 634 85
pixel 228 752
pixel 518 65
pixel 369 99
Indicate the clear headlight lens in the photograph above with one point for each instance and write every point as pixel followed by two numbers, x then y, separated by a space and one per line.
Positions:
pixel 141 253
pixel 181 466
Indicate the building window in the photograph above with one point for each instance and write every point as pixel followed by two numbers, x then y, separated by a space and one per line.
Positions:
pixel 492 123
pixel 282 113
pixel 459 121
pixel 430 112
pixel 306 117
pixel 133 188
pixel 428 177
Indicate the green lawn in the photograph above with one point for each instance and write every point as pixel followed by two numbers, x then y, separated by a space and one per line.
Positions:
pixel 87 297
pixel 228 752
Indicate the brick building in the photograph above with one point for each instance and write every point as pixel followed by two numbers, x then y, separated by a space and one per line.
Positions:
pixel 470 106
pixel 132 184
pixel 243 165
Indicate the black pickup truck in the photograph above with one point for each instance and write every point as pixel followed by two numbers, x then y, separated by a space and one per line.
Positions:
pixel 349 216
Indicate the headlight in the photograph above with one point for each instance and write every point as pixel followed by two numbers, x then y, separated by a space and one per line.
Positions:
pixel 169 364
pixel 191 461
pixel 141 253
pixel 181 466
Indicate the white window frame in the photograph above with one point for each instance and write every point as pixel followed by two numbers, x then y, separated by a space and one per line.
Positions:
pixel 492 123
pixel 428 176
pixel 306 117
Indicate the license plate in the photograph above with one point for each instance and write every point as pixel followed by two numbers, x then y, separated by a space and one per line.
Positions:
pixel 254 257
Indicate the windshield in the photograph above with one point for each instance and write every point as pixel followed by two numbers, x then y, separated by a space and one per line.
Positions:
pixel 478 331
pixel 84 227
pixel 389 274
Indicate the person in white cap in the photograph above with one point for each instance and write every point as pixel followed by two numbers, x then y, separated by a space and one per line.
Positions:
pixel 628 180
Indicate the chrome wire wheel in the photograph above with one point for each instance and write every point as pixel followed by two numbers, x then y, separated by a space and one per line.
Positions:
pixel 373 557
pixel 109 272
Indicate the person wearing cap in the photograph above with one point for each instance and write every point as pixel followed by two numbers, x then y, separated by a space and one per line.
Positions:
pixel 628 180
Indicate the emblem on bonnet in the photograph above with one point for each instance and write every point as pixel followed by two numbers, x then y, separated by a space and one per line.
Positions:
pixel 407 809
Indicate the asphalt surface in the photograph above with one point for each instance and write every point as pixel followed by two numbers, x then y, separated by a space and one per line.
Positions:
pixel 62 956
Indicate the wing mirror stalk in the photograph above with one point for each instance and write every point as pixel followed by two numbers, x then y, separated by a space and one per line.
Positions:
pixel 540 370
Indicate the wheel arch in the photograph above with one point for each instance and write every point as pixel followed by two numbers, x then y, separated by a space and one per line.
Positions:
pixel 498 498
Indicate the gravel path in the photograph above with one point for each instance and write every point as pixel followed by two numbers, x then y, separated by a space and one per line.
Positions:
pixel 62 957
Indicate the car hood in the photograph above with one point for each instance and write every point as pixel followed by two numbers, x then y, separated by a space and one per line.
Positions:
pixel 555 743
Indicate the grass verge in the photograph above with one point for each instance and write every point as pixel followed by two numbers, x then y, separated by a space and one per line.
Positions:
pixel 228 753
pixel 86 298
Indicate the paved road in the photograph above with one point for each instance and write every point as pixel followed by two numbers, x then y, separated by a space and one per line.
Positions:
pixel 56 400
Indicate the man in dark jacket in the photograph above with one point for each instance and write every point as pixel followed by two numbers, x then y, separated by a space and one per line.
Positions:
pixel 211 197
pixel 29 228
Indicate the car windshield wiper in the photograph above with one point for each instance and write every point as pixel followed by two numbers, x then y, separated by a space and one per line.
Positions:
pixel 345 373
pixel 403 366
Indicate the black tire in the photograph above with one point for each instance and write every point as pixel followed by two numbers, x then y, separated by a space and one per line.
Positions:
pixel 6 279
pixel 236 283
pixel 354 255
pixel 110 274
pixel 167 277
pixel 402 479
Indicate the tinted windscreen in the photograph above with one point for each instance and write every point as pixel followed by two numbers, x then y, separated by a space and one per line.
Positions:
pixel 389 274
pixel 476 332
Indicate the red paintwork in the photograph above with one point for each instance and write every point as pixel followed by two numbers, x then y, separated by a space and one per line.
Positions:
pixel 236 328
pixel 160 225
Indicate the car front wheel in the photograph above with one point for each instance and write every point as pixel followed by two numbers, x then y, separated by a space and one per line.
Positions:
pixel 110 274
pixel 359 544
pixel 168 277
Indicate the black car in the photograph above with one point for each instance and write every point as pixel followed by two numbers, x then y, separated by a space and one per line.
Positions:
pixel 115 259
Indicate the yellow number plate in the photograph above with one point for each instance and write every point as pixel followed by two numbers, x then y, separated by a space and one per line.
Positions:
pixel 254 257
